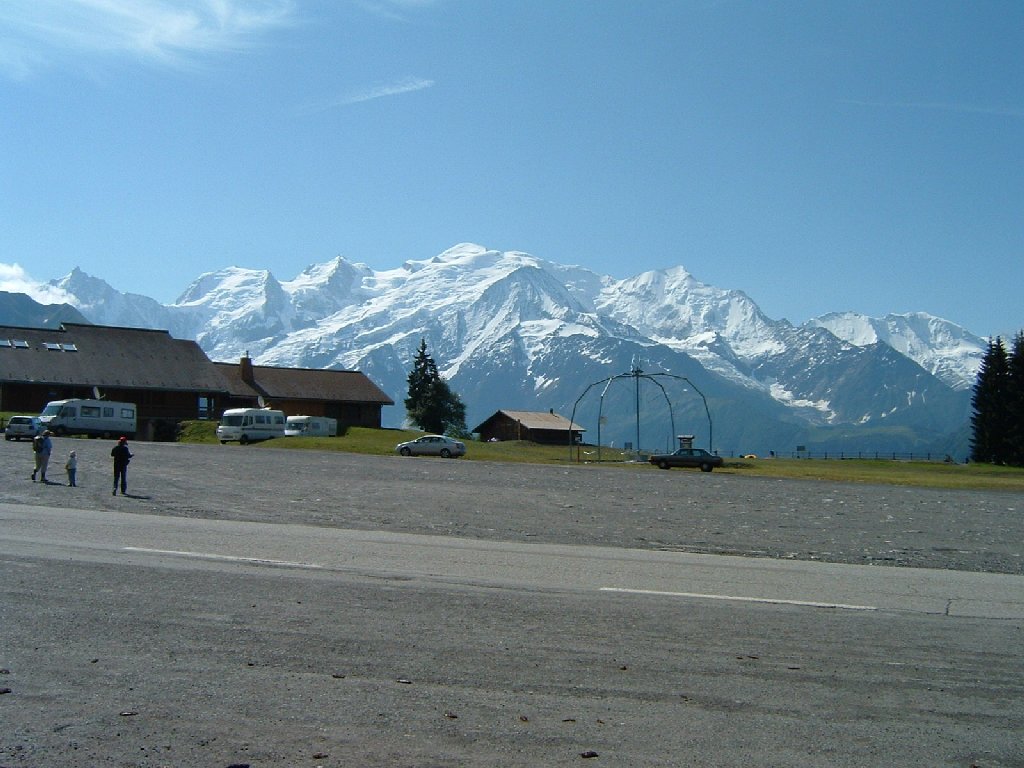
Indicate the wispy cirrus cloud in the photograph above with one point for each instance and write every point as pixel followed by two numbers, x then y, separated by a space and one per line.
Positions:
pixel 971 109
pixel 393 89
pixel 397 88
pixel 38 33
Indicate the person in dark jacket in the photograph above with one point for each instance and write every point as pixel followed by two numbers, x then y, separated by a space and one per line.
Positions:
pixel 121 456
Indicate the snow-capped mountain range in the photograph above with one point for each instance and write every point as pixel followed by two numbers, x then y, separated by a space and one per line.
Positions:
pixel 513 331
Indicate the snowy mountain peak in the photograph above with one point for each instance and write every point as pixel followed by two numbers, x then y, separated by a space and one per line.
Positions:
pixel 233 286
pixel 83 286
pixel 676 309
pixel 946 350
pixel 94 298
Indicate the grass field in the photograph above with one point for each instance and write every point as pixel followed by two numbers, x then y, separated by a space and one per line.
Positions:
pixel 916 474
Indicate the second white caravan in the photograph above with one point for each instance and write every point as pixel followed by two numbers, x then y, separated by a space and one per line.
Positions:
pixel 249 425
pixel 311 426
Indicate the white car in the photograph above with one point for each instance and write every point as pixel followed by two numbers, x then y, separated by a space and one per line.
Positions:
pixel 432 445
pixel 23 427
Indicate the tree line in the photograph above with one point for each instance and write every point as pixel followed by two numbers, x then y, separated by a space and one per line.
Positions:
pixel 998 402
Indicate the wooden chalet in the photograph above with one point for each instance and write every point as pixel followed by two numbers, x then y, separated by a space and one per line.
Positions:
pixel 348 396
pixel 169 379
pixel 536 427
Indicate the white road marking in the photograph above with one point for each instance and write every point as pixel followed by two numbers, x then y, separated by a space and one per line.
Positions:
pixel 737 598
pixel 696 595
pixel 229 558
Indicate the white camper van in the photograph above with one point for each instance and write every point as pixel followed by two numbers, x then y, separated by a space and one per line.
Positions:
pixel 247 425
pixel 311 426
pixel 98 418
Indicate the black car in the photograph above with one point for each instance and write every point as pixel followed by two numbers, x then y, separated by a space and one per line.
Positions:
pixel 687 457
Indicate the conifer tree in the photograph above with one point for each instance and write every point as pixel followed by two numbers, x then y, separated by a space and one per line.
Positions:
pixel 431 404
pixel 1015 402
pixel 990 420
pixel 423 374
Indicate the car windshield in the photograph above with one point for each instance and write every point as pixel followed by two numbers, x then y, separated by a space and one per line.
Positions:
pixel 231 420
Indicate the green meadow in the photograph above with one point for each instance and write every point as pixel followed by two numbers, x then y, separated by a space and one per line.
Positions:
pixel 907 473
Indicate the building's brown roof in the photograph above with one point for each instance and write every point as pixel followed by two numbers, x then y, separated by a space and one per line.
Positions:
pixel 303 384
pixel 105 356
pixel 537 420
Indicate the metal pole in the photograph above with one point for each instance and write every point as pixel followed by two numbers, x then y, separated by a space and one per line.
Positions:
pixel 636 375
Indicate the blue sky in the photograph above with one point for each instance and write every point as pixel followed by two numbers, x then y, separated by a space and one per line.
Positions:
pixel 820 156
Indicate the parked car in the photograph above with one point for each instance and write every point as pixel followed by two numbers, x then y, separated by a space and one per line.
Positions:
pixel 687 457
pixel 432 445
pixel 23 427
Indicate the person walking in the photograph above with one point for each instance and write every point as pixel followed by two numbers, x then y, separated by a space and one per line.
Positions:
pixel 121 456
pixel 72 468
pixel 43 447
pixel 37 446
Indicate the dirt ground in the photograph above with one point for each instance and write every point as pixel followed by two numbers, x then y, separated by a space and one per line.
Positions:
pixel 641 507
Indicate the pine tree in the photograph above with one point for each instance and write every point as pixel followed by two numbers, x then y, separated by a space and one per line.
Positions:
pixel 421 378
pixel 431 404
pixel 1015 402
pixel 990 420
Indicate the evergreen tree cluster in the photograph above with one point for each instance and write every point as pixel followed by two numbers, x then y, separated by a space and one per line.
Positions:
pixel 431 404
pixel 998 402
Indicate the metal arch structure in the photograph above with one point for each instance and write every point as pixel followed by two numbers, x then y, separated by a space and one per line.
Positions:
pixel 636 374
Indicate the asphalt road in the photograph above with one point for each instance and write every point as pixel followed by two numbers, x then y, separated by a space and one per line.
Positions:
pixel 276 608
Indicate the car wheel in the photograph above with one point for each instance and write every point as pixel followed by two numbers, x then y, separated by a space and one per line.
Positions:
pixel 663 465
pixel 223 442
pixel 8 438
pixel 445 453
pixel 243 440
pixel 60 431
pixel 405 452
pixel 705 467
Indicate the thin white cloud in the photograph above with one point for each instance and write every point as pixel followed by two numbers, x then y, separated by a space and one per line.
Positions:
pixel 37 32
pixel 971 109
pixel 14 279
pixel 394 89
pixel 407 85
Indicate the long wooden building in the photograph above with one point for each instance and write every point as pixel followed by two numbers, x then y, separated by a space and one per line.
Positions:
pixel 170 380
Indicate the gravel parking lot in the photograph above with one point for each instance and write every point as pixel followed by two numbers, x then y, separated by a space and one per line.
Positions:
pixel 641 507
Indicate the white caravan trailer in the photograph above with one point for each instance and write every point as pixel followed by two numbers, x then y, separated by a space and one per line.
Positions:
pixel 98 418
pixel 247 425
pixel 311 426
